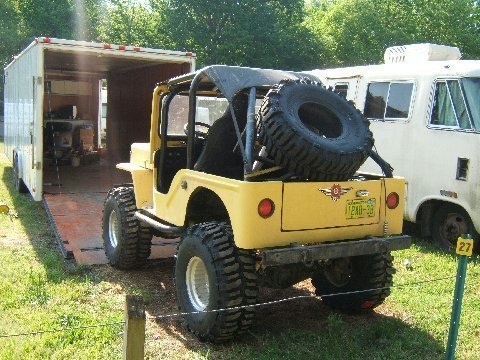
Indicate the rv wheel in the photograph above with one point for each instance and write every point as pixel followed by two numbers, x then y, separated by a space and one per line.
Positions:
pixel 126 240
pixel 314 132
pixel 449 223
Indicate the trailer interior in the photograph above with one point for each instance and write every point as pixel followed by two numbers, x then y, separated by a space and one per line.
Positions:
pixel 81 148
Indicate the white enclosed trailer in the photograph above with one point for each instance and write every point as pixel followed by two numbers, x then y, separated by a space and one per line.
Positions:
pixel 70 71
pixel 55 86
pixel 424 107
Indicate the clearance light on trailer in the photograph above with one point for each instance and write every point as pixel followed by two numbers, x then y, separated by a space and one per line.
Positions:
pixel 136 48
pixel 189 54
pixel 107 46
pixel 266 207
pixel 392 200
pixel 46 40
pixel 121 47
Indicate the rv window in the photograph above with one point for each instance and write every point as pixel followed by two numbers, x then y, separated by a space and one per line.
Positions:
pixel 387 100
pixel 399 100
pixel 341 89
pixel 453 105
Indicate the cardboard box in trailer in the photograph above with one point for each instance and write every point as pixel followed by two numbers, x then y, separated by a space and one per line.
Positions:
pixel 54 132
pixel 423 104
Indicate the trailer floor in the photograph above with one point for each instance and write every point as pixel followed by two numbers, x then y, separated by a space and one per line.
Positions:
pixel 74 197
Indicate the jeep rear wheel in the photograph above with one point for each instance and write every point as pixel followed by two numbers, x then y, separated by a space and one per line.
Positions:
pixel 126 240
pixel 212 273
pixel 355 274
pixel 314 132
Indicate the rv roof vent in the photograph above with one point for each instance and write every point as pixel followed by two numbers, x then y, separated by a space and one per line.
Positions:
pixel 420 52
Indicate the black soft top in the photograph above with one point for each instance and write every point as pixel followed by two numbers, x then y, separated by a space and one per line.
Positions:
pixel 231 79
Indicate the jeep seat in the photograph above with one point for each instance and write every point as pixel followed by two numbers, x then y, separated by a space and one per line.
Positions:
pixel 218 156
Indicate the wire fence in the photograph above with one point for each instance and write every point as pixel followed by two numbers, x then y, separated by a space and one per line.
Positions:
pixel 262 304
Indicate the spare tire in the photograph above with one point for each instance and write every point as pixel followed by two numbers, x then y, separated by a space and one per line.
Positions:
pixel 314 132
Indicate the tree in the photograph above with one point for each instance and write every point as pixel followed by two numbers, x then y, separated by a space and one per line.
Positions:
pixel 267 34
pixel 130 22
pixel 354 32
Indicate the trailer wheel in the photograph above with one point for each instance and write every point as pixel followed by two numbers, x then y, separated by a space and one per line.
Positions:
pixel 449 222
pixel 18 183
pixel 314 132
pixel 126 240
pixel 212 273
pixel 355 274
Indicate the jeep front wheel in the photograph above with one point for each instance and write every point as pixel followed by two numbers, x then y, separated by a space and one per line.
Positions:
pixel 350 277
pixel 126 240
pixel 211 273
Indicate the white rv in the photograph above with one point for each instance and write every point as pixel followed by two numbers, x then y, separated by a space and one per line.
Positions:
pixel 424 107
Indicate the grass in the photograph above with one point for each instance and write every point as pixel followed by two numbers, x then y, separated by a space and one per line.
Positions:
pixel 39 290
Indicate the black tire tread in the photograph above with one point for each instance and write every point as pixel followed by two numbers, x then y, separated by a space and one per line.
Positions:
pixel 377 274
pixel 136 237
pixel 299 156
pixel 237 281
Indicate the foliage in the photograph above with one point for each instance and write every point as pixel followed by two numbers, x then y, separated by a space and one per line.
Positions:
pixel 357 32
pixel 129 22
pixel 266 34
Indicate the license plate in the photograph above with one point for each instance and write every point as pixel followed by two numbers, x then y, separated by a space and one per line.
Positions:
pixel 360 208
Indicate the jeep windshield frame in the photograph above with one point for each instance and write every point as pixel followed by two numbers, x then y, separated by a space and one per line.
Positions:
pixel 228 81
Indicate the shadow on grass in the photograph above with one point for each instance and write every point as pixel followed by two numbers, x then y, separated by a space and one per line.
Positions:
pixel 36 224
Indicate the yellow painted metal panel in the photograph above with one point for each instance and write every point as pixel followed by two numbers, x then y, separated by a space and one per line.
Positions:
pixel 319 205
pixel 142 184
pixel 140 155
pixel 394 217
pixel 251 231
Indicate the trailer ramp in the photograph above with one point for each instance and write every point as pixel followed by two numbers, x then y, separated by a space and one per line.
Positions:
pixel 73 199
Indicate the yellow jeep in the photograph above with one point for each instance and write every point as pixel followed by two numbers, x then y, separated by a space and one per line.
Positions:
pixel 255 171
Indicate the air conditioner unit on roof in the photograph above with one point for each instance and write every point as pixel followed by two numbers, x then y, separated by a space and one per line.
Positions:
pixel 420 52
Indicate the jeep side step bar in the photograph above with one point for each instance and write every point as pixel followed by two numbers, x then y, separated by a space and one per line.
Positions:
pixel 157 224
pixel 309 254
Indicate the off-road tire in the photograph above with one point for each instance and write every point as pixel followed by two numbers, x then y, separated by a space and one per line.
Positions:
pixel 232 282
pixel 133 238
pixel 367 272
pixel 449 223
pixel 314 132
pixel 18 183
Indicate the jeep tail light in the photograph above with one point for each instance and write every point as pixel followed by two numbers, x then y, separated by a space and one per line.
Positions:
pixel 266 207
pixel 392 200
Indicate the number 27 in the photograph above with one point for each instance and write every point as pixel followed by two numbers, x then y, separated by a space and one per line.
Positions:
pixel 465 247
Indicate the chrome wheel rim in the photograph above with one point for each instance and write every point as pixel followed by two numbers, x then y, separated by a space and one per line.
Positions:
pixel 113 229
pixel 198 285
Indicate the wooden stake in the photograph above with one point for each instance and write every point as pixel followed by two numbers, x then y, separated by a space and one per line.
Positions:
pixel 134 332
